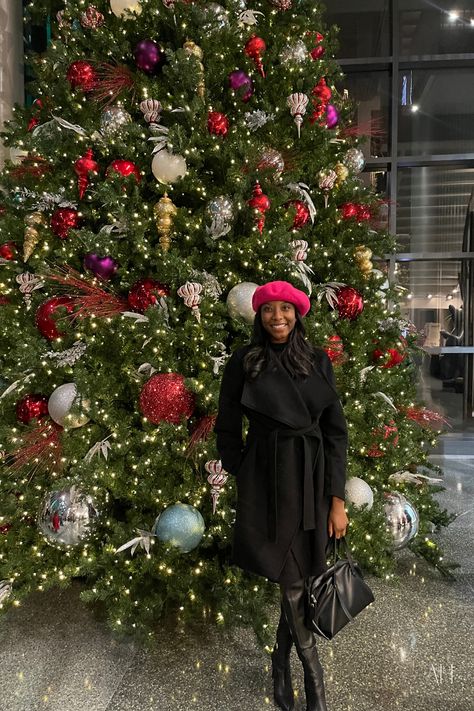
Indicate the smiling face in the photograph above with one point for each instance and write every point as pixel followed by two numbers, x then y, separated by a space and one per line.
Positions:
pixel 278 320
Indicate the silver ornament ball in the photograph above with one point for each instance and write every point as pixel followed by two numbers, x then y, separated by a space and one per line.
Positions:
pixel 296 53
pixel 239 301
pixel 67 517
pixel 62 400
pixel 113 119
pixel 214 17
pixel 402 519
pixel 221 207
pixel 354 160
pixel 359 493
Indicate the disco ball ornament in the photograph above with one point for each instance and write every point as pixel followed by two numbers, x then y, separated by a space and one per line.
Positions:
pixel 181 526
pixel 402 519
pixel 60 403
pixel 46 318
pixel 168 167
pixel 354 160
pixel 241 83
pixel 239 301
pixel 294 53
pixel 67 517
pixel 359 493
pixel 214 17
pixel 165 398
pixel 31 407
pixel 125 8
pixel 149 57
pixel 350 303
pixel 113 119
pixel 145 293
pixel 220 210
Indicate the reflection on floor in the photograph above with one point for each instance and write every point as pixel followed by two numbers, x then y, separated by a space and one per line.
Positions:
pixel 411 649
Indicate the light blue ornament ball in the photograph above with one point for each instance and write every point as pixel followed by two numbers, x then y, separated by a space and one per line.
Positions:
pixel 181 525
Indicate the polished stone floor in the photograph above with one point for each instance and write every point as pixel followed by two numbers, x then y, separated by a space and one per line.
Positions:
pixel 412 649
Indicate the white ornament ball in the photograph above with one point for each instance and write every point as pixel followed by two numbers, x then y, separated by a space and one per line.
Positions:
pixel 359 493
pixel 124 8
pixel 239 301
pixel 168 167
pixel 60 403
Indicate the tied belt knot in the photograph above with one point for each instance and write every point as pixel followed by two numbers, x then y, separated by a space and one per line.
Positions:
pixel 306 434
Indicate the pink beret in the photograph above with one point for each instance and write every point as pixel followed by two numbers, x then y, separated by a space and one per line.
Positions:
pixel 281 291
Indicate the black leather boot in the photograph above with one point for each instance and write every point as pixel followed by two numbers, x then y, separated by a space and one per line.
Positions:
pixel 293 602
pixel 282 686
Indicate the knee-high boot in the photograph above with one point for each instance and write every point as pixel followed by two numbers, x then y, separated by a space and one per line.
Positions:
pixel 293 602
pixel 282 686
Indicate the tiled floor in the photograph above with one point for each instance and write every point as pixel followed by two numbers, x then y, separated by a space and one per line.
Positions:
pixel 412 649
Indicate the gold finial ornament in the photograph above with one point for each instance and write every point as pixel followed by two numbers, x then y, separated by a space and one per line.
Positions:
pixel 32 236
pixel 165 211
pixel 191 48
pixel 362 256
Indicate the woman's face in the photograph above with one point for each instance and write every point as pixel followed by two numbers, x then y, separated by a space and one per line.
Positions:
pixel 278 320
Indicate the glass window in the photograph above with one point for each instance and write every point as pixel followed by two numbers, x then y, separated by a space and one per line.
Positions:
pixel 435 111
pixel 364 27
pixel 371 91
pixel 441 27
pixel 432 207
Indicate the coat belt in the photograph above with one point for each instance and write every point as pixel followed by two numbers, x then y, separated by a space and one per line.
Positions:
pixel 309 515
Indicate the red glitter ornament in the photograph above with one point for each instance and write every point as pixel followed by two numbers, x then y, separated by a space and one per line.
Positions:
pixel 259 202
pixel 301 213
pixel 82 75
pixel 45 316
pixel 391 356
pixel 83 166
pixel 254 49
pixel 124 168
pixel 145 293
pixel 217 123
pixel 349 210
pixel 8 250
pixel 335 349
pixel 31 407
pixel 164 397
pixel 350 303
pixel 64 219
pixel 363 213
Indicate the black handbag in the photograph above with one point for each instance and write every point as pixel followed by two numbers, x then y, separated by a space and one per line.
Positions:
pixel 336 596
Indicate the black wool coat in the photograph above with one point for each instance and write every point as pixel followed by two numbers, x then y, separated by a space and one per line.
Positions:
pixel 292 463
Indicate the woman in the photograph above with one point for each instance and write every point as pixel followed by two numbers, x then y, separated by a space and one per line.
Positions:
pixel 290 474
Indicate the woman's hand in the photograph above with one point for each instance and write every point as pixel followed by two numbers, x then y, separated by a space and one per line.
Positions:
pixel 337 521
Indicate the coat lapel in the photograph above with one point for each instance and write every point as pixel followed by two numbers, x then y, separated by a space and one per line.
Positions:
pixel 274 394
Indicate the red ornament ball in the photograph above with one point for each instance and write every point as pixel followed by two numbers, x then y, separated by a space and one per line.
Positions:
pixel 124 168
pixel 64 219
pixel 301 213
pixel 363 213
pixel 31 407
pixel 82 75
pixel 317 52
pixel 164 397
pixel 45 316
pixel 217 123
pixel 391 356
pixel 322 91
pixel 349 210
pixel 146 293
pixel 8 250
pixel 350 303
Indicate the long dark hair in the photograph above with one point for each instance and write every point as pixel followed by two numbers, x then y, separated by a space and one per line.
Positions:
pixel 298 357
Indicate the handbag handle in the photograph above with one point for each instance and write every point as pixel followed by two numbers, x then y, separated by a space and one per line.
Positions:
pixel 337 544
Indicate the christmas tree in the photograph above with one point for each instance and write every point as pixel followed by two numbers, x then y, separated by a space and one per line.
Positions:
pixel 177 154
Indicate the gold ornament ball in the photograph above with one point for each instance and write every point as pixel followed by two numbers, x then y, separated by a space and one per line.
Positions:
pixel 342 172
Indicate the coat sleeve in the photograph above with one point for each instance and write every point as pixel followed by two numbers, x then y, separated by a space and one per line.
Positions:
pixel 228 427
pixel 335 439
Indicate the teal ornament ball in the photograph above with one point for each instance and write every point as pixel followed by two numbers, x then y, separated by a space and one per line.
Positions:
pixel 180 525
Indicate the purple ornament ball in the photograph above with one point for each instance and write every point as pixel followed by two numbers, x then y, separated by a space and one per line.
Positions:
pixel 332 116
pixel 149 57
pixel 102 267
pixel 241 82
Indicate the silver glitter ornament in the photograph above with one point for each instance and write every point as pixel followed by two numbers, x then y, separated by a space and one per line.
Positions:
pixel 354 160
pixel 113 119
pixel 402 519
pixel 214 17
pixel 239 301
pixel 220 210
pixel 60 403
pixel 67 517
pixel 296 53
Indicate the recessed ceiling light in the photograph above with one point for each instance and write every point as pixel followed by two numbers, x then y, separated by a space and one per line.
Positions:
pixel 414 108
pixel 453 16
